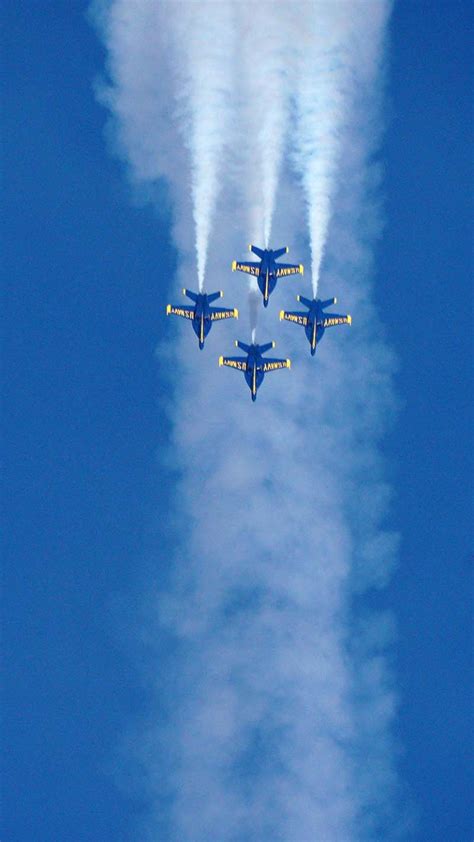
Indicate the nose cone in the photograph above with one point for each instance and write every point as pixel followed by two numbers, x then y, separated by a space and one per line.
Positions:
pixel 265 302
pixel 201 345
pixel 313 351
pixel 254 396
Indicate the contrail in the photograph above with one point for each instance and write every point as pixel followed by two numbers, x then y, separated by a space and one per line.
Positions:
pixel 274 703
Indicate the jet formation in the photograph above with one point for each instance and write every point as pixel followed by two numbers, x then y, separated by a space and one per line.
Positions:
pixel 254 365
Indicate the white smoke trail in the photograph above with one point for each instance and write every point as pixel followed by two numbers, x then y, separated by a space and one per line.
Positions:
pixel 203 47
pixel 330 53
pixel 263 88
pixel 195 44
pixel 254 306
pixel 279 723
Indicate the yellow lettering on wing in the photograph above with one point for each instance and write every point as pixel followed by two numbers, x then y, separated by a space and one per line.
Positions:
pixel 294 317
pixel 290 270
pixel 180 311
pixel 242 366
pixel 244 267
pixel 339 321
pixel 273 366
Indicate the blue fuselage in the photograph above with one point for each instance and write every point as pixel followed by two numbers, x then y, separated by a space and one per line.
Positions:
pixel 202 319
pixel 266 276
pixel 254 376
pixel 315 328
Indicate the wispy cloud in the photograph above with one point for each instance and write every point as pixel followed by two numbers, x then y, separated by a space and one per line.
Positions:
pixel 280 722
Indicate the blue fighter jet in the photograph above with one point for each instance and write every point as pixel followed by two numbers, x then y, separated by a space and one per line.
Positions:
pixel 315 321
pixel 268 270
pixel 201 314
pixel 254 366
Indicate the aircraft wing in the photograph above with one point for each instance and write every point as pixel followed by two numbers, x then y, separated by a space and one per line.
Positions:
pixel 250 268
pixel 185 312
pixel 240 363
pixel 217 313
pixel 273 365
pixel 336 319
pixel 297 318
pixel 282 269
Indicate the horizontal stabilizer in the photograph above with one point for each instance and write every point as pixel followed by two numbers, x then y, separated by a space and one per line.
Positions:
pixel 190 294
pixel 242 346
pixel 213 296
pixel 258 252
pixel 306 301
pixel 279 252
pixel 266 347
pixel 328 303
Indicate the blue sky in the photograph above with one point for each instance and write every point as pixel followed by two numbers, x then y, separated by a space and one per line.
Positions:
pixel 86 416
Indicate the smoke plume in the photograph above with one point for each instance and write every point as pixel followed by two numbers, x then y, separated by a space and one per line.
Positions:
pixel 272 714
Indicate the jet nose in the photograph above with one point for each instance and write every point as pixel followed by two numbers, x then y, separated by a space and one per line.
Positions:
pixel 265 302
pixel 201 345
pixel 313 351
pixel 254 397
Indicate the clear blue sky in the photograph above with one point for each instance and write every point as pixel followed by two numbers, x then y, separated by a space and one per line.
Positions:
pixel 84 421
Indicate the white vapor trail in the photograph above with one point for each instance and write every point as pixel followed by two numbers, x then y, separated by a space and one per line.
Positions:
pixel 203 48
pixel 331 51
pixel 263 87
pixel 278 699
pixel 196 44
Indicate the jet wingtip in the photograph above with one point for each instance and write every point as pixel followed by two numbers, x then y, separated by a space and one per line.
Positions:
pixel 298 297
pixel 349 320
pixel 221 360
pixel 288 363
pixel 234 265
pixel 168 309
pixel 236 343
pixel 282 315
pixel 301 269
pixel 236 313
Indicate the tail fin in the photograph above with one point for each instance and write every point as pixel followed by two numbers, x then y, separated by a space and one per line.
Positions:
pixel 306 301
pixel 213 296
pixel 328 302
pixel 279 252
pixel 190 294
pixel 257 251
pixel 266 347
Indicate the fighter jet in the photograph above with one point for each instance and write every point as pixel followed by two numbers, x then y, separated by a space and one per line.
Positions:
pixel 254 366
pixel 315 321
pixel 201 314
pixel 268 270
